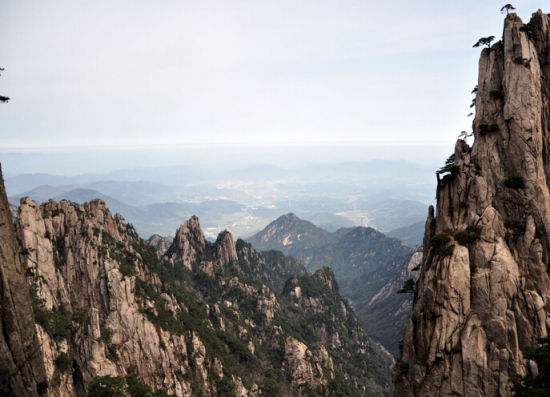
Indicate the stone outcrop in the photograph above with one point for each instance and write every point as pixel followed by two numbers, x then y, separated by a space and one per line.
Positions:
pixel 189 243
pixel 301 365
pixel 225 250
pixel 335 328
pixel 484 289
pixel 21 369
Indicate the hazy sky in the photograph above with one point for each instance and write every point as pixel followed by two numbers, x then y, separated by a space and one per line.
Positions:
pixel 108 72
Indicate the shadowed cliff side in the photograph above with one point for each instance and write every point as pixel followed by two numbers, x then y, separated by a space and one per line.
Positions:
pixel 21 369
pixel 483 293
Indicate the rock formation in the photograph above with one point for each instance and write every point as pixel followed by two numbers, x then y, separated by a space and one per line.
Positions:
pixel 21 368
pixel 202 319
pixel 484 291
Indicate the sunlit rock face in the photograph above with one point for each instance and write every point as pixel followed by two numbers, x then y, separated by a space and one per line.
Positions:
pixel 484 289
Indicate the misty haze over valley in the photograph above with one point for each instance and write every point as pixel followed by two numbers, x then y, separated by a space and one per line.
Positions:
pixel 230 188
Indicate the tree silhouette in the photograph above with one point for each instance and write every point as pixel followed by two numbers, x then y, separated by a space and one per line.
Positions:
pixel 484 41
pixel 408 287
pixel 507 8
pixel 3 98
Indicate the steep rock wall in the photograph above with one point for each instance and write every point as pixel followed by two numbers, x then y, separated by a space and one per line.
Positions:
pixel 21 369
pixel 86 307
pixel 484 289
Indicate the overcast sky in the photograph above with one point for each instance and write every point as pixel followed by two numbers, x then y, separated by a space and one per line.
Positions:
pixel 108 72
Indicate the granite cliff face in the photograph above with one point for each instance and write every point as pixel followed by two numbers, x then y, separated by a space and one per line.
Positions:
pixel 484 290
pixel 21 369
pixel 202 319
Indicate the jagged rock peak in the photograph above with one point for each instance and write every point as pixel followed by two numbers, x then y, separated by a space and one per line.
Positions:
pixel 189 243
pixel 484 288
pixel 225 247
pixel 65 215
pixel 326 276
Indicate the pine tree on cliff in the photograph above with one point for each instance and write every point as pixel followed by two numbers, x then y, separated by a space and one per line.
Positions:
pixel 3 98
pixel 507 8
pixel 484 41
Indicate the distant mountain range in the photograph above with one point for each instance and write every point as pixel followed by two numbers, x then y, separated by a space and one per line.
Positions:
pixel 411 235
pixel 291 235
pixel 385 195
pixel 368 265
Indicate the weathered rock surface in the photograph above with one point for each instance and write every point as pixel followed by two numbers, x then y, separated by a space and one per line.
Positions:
pixel 483 293
pixel 21 369
pixel 212 318
pixel 189 244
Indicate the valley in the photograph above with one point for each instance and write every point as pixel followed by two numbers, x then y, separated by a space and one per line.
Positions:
pixel 368 266
pixel 245 199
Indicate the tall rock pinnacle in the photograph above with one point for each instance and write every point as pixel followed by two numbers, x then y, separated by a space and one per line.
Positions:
pixel 484 289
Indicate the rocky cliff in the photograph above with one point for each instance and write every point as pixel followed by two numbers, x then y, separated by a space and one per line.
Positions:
pixel 21 368
pixel 484 290
pixel 202 319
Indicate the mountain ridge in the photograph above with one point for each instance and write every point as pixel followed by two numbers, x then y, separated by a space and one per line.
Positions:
pixel 364 261
pixel 217 317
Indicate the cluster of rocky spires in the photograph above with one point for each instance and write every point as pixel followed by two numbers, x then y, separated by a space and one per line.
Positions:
pixel 483 295
pixel 88 304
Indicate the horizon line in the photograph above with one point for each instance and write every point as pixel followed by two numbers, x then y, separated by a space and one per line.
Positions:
pixel 12 149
